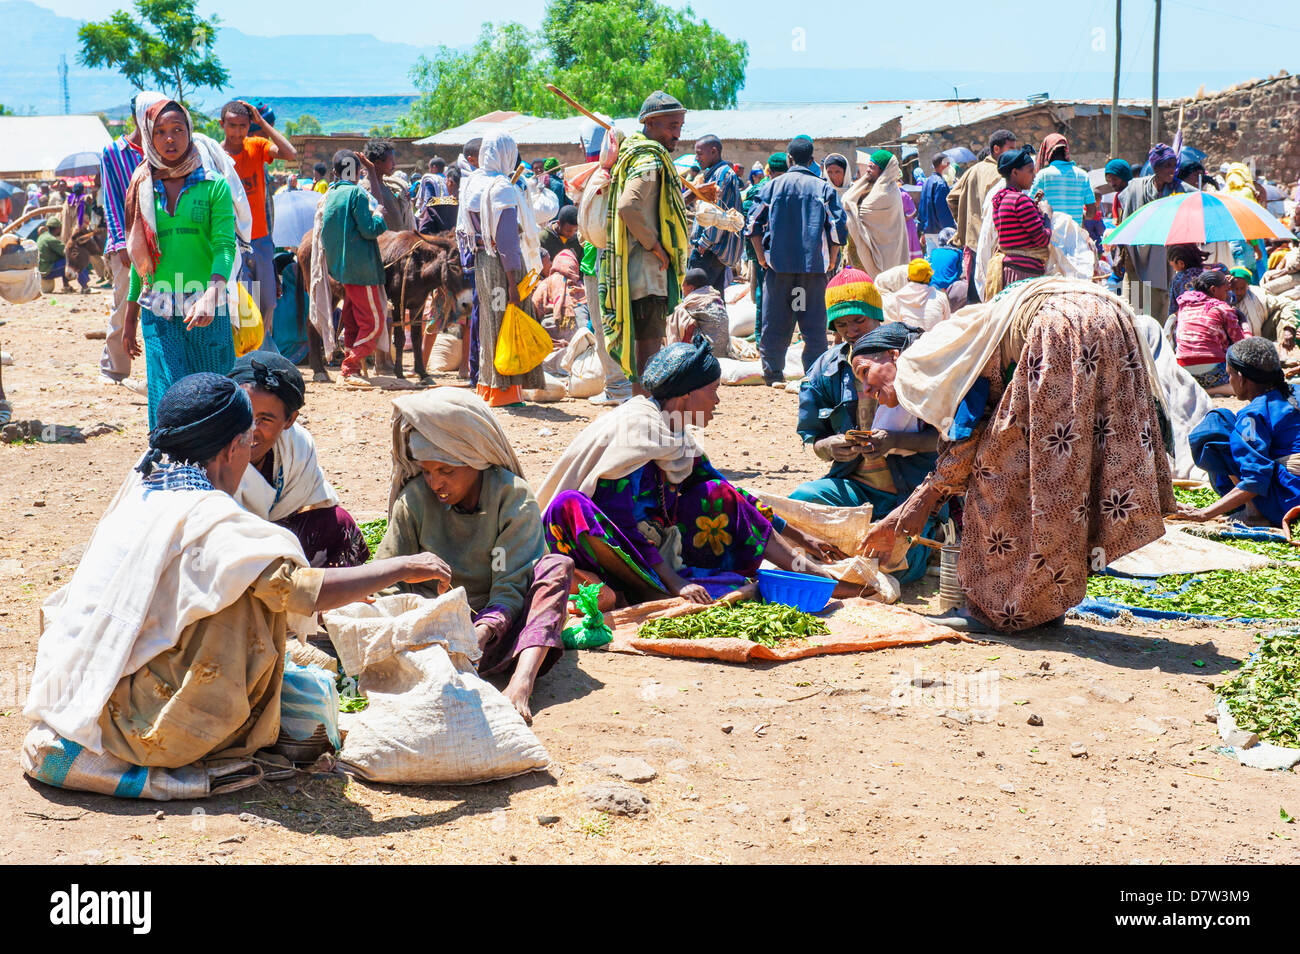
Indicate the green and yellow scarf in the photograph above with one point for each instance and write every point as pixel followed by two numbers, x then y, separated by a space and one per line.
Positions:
pixel 639 156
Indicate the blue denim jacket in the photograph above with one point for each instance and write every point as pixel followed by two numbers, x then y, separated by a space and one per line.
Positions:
pixel 798 215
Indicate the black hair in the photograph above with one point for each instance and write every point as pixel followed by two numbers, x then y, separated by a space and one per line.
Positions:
pixel 938 159
pixel 238 108
pixel 438 161
pixel 1208 279
pixel 568 216
pixel 376 149
pixel 453 174
pixel 1001 138
pixel 320 169
pixel 695 277
pixel 471 148
pixel 800 151
pixel 1190 255
pixel 342 160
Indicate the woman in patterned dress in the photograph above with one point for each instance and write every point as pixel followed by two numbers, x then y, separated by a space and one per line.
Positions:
pixel 1054 438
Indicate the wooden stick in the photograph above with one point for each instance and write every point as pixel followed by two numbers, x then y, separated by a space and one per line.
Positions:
pixel 29 215
pixel 610 129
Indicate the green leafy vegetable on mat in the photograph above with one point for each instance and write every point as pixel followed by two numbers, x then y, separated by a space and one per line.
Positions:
pixel 1271 592
pixel 1273 549
pixel 1264 696
pixel 1196 496
pixel 764 623
pixel 372 531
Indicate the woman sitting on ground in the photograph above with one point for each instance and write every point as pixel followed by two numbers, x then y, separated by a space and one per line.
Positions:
pixel 458 493
pixel 701 311
pixel 166 649
pixel 862 471
pixel 1206 326
pixel 635 501
pixel 557 298
pixel 1252 455
pixel 1187 261
pixel 284 482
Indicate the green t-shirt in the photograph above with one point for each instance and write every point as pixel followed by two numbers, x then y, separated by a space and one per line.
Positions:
pixel 197 241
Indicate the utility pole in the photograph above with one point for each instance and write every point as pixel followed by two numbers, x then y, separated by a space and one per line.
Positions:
pixel 63 82
pixel 1155 81
pixel 1114 96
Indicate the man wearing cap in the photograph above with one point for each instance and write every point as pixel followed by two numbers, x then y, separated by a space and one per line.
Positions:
pixel 1264 312
pixel 641 270
pixel 966 199
pixel 1146 267
pixel 795 228
pixel 189 667
pixel 716 250
pixel 881 469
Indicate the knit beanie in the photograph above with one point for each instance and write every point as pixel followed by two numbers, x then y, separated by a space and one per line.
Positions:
pixel 881 158
pixel 919 271
pixel 852 292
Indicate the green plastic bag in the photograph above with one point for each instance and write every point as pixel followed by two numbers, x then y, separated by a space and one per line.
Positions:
pixel 590 631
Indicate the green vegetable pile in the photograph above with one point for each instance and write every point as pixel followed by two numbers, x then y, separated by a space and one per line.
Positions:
pixel 1271 592
pixel 1264 697
pixel 764 623
pixel 1196 496
pixel 373 531
pixel 350 697
pixel 1273 549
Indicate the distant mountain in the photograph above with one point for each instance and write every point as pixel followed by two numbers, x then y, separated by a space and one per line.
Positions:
pixel 263 67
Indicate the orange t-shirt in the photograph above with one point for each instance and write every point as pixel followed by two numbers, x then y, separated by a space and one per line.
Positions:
pixel 251 163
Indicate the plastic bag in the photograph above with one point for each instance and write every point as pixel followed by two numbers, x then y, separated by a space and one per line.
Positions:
pixel 591 631
pixel 545 203
pixel 522 344
pixel 308 699
pixel 246 324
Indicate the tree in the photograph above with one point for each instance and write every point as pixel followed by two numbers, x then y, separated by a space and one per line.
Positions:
pixel 608 54
pixel 169 44
pixel 307 125
pixel 386 131
pixel 6 111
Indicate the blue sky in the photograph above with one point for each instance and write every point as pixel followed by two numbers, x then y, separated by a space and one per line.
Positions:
pixel 1066 40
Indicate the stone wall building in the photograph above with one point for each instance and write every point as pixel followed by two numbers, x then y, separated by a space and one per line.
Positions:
pixel 1257 120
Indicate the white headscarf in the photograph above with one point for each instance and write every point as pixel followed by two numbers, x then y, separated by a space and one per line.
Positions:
pixel 488 192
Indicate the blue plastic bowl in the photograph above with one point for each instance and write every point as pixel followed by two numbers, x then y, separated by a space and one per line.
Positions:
pixel 803 591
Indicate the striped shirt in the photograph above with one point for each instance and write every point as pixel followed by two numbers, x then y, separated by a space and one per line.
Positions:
pixel 1019 224
pixel 726 245
pixel 1066 188
pixel 117 163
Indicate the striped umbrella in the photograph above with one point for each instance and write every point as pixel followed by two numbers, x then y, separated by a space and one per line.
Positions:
pixel 1196 218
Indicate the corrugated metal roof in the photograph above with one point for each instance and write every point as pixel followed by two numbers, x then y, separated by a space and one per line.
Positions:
pixel 775 122
pixel 37 143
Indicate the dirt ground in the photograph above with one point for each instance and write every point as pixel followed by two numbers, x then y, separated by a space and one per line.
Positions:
pixel 833 759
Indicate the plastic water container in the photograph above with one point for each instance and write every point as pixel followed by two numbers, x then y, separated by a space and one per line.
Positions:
pixel 803 591
pixel 950 595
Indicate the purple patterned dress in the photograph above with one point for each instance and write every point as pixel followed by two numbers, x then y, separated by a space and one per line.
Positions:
pixel 723 530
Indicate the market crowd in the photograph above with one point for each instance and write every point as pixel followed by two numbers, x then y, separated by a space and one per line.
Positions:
pixel 975 348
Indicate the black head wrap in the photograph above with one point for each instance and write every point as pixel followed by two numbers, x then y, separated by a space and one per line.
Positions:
pixel 198 416
pixel 1008 162
pixel 274 374
pixel 1256 359
pixel 894 336
pixel 680 369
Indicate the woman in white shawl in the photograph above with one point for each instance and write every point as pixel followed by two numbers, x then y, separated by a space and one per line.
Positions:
pixel 495 221
pixel 284 482
pixel 877 222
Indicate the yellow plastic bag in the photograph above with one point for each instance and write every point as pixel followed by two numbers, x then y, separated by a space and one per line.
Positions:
pixel 522 343
pixel 246 325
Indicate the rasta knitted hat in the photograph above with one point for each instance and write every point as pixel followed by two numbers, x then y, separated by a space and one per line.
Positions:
pixel 852 292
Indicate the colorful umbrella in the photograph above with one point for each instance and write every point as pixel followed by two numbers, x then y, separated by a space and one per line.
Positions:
pixel 1196 218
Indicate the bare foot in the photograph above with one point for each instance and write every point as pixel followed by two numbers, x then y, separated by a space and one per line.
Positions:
pixel 518 696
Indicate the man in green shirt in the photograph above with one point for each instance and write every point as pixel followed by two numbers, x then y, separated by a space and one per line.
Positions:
pixel 349 234
pixel 52 259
